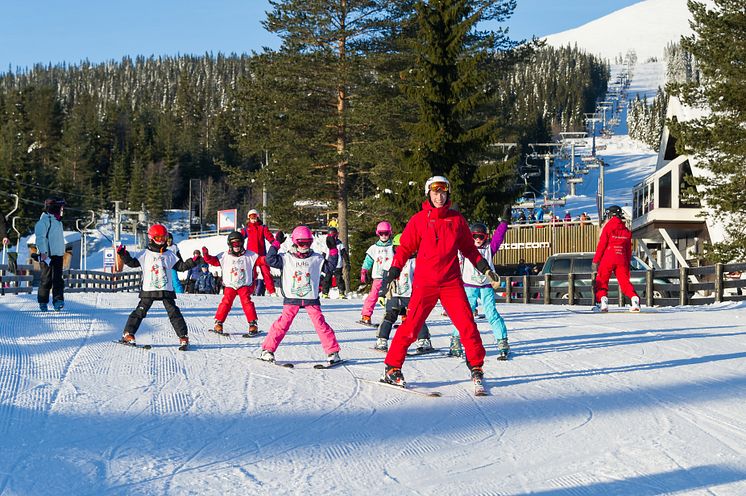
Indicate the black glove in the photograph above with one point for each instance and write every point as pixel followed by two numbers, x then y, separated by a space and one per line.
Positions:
pixel 331 242
pixel 507 214
pixel 392 274
pixel 280 237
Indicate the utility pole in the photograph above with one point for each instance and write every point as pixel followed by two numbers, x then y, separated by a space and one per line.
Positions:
pixel 264 189
pixel 117 232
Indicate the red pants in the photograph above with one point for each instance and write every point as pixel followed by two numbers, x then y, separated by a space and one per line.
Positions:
pixel 423 300
pixel 621 271
pixel 268 282
pixel 229 294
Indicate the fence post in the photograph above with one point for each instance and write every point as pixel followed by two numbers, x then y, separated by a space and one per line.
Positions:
pixel 547 289
pixel 683 285
pixel 525 289
pixel 649 298
pixel 508 288
pixel 570 288
pixel 719 282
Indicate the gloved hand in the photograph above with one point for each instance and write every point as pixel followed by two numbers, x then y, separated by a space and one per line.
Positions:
pixel 594 267
pixel 364 276
pixel 493 276
pixel 205 253
pixel 382 301
pixel 331 242
pixel 507 214
pixel 280 237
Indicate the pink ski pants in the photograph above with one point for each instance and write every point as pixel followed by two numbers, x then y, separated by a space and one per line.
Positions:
pixel 281 326
pixel 370 301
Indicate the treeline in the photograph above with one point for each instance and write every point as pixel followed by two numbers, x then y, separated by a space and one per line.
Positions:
pixel 137 130
pixel 645 120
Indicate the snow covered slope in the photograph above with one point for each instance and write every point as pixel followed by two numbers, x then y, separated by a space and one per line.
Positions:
pixel 621 404
pixel 645 27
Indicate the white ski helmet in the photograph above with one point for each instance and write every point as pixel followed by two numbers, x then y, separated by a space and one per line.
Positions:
pixel 434 180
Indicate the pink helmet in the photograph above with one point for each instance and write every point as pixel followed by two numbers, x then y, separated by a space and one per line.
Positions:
pixel 301 232
pixel 383 226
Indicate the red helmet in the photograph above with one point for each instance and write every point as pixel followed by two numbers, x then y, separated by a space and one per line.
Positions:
pixel 158 231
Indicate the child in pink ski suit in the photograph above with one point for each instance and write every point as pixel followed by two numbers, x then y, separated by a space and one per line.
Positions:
pixel 301 272
pixel 378 259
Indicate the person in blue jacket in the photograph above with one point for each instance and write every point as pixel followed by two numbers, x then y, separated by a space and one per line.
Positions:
pixel 206 282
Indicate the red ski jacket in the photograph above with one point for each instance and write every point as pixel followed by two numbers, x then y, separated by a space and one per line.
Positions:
pixel 436 235
pixel 615 243
pixel 255 234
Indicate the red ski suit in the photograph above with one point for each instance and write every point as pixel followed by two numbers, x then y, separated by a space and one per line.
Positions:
pixel 613 254
pixel 437 235
pixel 255 234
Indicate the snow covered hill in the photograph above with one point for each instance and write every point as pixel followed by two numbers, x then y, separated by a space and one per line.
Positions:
pixel 645 27
pixel 622 404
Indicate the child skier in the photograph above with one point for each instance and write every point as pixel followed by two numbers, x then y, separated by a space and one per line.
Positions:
pixel 239 274
pixel 395 297
pixel 343 259
pixel 478 286
pixel 157 283
pixel 301 271
pixel 377 259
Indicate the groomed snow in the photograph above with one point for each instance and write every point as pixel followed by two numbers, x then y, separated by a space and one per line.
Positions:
pixel 590 404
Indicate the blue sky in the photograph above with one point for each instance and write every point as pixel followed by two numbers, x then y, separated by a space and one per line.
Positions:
pixel 69 31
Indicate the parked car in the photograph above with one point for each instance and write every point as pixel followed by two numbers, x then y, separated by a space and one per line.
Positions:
pixel 561 264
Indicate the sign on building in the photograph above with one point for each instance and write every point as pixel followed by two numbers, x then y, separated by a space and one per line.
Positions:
pixel 227 220
pixel 109 258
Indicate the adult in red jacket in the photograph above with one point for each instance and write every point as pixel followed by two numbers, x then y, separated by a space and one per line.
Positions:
pixel 436 233
pixel 613 254
pixel 255 233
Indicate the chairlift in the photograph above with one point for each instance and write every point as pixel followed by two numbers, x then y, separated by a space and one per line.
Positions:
pixel 527 200
pixel 575 180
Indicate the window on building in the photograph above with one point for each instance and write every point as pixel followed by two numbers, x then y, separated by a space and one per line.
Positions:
pixel 664 190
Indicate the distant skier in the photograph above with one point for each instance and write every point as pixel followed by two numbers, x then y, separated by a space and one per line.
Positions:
pixel 395 298
pixel 613 254
pixel 343 259
pixel 256 233
pixel 437 233
pixel 478 286
pixel 301 272
pixel 50 243
pixel 238 266
pixel 157 283
pixel 377 259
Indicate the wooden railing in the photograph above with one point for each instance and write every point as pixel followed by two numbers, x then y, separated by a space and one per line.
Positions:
pixel 11 283
pixel 657 287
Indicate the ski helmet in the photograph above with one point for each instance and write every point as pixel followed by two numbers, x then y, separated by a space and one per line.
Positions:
pixel 384 227
pixel 437 182
pixel 54 205
pixel 235 238
pixel 301 233
pixel 397 240
pixel 158 233
pixel 614 211
pixel 332 231
pixel 478 228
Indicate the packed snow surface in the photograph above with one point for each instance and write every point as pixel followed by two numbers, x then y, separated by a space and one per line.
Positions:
pixel 624 404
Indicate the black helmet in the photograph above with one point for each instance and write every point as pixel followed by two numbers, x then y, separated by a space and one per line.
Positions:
pixel 53 205
pixel 478 227
pixel 614 211
pixel 332 230
pixel 233 236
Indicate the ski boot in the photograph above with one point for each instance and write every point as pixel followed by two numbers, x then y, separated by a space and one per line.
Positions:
pixel 382 344
pixel 476 313
pixel 342 296
pixel 183 343
pixel 635 304
pixel 604 305
pixel 455 349
pixel 43 307
pixel 393 375
pixel 333 358
pixel 58 305
pixel 128 338
pixel 267 356
pixel 365 320
pixel 253 329
pixel 503 348
pixel 324 296
pixel 218 328
pixel 477 376
pixel 424 346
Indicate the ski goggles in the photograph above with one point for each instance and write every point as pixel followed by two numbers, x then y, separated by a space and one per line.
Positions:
pixel 303 243
pixel 253 216
pixel 236 243
pixel 384 233
pixel 160 239
pixel 479 236
pixel 439 186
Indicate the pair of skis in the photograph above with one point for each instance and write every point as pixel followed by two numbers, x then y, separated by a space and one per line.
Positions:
pixel 244 335
pixel 318 366
pixel 182 347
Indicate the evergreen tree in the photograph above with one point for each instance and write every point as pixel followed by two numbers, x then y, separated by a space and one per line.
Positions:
pixel 718 140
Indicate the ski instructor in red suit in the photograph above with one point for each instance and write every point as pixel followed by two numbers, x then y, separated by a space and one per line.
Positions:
pixel 255 233
pixel 436 233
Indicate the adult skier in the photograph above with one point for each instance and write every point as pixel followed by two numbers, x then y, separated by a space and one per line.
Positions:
pixel 437 233
pixel 255 234
pixel 613 254
pixel 50 242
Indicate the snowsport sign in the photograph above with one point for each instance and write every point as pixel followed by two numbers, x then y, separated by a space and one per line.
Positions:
pixel 108 258
pixel 227 220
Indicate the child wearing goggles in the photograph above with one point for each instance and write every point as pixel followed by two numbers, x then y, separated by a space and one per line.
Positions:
pixel 377 260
